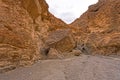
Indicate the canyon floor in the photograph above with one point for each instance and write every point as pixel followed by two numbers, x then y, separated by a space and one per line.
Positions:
pixel 84 67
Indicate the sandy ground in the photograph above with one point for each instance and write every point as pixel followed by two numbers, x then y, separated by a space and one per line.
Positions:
pixel 84 67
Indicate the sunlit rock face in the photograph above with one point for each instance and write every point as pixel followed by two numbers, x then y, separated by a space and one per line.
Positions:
pixel 16 34
pixel 99 28
pixel 23 26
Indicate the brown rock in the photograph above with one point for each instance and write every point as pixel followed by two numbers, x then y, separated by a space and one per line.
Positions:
pixel 24 24
pixel 61 40
pixel 76 52
pixel 110 44
pixel 16 34
pixel 100 17
pixel 99 28
pixel 53 54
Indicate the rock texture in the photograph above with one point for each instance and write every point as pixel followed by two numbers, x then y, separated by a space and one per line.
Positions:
pixel 17 45
pixel 98 29
pixel 28 32
pixel 24 24
pixel 62 40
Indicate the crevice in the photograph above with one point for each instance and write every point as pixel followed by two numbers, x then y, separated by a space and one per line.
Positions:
pixel 8 27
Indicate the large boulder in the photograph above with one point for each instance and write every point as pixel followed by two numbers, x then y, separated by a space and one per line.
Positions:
pixel 61 40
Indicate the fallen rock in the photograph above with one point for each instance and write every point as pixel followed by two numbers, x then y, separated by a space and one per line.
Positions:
pixel 61 40
pixel 54 54
pixel 76 52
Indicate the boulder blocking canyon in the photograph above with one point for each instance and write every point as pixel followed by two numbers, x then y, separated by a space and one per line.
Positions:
pixel 28 32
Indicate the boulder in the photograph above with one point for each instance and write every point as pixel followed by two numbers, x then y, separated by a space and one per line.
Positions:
pixel 61 40
pixel 76 52
pixel 54 54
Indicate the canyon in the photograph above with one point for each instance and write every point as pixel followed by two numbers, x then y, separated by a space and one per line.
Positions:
pixel 29 33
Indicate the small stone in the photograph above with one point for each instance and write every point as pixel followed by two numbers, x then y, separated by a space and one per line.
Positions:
pixel 76 52
pixel 54 54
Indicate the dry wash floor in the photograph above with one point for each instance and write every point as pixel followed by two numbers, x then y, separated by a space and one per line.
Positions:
pixel 84 67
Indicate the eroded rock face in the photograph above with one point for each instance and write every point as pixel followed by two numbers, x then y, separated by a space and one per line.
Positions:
pixel 16 35
pixel 98 29
pixel 23 26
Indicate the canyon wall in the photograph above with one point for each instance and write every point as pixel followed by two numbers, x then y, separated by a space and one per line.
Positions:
pixel 98 29
pixel 24 25
pixel 28 32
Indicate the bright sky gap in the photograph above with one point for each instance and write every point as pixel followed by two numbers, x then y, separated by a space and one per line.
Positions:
pixel 69 10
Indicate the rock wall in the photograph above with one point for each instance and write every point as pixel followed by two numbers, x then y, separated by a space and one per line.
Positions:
pixel 24 25
pixel 98 29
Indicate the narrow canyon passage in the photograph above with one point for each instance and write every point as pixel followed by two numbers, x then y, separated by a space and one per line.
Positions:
pixel 31 36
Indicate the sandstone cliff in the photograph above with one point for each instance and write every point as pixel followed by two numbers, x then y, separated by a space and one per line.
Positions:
pixel 24 25
pixel 98 29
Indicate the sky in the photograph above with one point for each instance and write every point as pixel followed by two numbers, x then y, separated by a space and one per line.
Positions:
pixel 69 10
